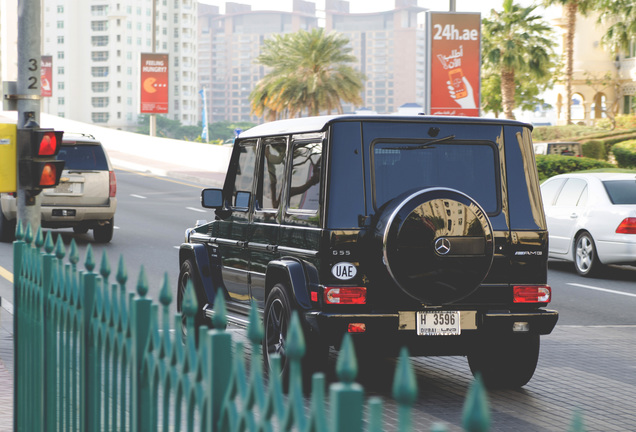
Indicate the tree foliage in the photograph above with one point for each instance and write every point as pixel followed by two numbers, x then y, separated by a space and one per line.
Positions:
pixel 518 46
pixel 309 71
pixel 219 132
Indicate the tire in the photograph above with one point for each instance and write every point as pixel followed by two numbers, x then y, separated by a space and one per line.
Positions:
pixel 276 320
pixel 586 260
pixel 104 233
pixel 81 229
pixel 7 229
pixel 188 273
pixel 505 361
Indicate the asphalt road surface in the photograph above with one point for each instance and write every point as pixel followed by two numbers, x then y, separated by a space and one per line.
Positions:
pixel 587 364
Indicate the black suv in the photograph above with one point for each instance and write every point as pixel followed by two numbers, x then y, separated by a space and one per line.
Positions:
pixel 421 231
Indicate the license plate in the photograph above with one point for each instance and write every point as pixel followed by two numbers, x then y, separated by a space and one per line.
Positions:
pixel 439 323
pixel 64 188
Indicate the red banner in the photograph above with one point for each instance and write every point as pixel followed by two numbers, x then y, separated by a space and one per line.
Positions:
pixel 455 63
pixel 154 83
pixel 46 76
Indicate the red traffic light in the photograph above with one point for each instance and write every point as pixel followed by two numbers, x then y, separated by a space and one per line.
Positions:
pixel 48 144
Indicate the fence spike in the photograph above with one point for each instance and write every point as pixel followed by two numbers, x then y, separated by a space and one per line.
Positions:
pixel 122 272
pixel 104 268
pixel 60 250
pixel 39 238
pixel 577 424
pixel 89 262
pixel 476 415
pixel 165 295
pixel 375 415
pixel 255 327
pixel 190 303
pixel 347 364
pixel 295 343
pixel 318 419
pixel 404 389
pixel 73 257
pixel 48 243
pixel 28 237
pixel 19 231
pixel 142 282
pixel 219 318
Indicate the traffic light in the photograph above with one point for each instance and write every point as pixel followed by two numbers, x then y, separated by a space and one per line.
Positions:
pixel 38 167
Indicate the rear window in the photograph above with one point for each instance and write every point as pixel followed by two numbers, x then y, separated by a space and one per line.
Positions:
pixel 621 191
pixel 469 167
pixel 83 157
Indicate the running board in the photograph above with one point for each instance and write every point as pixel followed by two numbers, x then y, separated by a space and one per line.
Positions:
pixel 237 320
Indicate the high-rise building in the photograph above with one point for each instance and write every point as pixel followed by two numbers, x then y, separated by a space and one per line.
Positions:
pixel 390 48
pixel 96 46
pixel 228 46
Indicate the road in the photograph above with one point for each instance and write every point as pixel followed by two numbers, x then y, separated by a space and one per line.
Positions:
pixel 152 215
pixel 586 364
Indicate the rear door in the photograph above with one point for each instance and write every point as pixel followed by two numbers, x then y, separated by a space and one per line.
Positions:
pixel 85 180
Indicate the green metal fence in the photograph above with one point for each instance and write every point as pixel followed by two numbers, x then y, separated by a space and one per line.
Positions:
pixel 91 356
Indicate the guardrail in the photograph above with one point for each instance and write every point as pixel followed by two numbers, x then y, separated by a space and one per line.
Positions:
pixel 91 356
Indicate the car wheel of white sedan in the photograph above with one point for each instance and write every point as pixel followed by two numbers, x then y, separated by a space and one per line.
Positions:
pixel 586 259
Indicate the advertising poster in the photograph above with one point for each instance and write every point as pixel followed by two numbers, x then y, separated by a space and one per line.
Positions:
pixel 46 76
pixel 154 83
pixel 454 60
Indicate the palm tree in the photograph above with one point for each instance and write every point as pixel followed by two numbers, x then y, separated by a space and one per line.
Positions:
pixel 571 8
pixel 310 72
pixel 514 41
pixel 621 17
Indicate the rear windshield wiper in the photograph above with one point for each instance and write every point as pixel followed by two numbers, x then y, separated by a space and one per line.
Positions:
pixel 426 144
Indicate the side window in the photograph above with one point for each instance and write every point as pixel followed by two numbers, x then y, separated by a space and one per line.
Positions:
pixel 571 192
pixel 549 190
pixel 244 176
pixel 304 191
pixel 272 173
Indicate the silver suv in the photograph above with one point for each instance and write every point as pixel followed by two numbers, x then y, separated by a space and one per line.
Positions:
pixel 85 198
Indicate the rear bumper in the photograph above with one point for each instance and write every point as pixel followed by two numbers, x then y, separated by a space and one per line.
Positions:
pixel 394 330
pixel 61 216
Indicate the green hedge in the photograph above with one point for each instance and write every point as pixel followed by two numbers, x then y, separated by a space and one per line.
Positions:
pixel 551 165
pixel 625 153
pixel 594 149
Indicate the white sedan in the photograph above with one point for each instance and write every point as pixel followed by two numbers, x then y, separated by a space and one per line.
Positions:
pixel 591 219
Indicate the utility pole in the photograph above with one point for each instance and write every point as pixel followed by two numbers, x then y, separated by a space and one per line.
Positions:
pixel 451 5
pixel 28 98
pixel 153 117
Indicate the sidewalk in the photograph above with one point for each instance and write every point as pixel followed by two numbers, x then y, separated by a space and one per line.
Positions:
pixel 6 367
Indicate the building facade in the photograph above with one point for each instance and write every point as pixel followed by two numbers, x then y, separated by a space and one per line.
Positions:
pixel 390 48
pixel 602 82
pixel 96 77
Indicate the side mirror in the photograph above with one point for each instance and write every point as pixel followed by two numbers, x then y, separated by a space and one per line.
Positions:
pixel 212 198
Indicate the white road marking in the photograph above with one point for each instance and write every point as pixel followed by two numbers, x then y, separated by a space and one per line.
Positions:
pixel 197 210
pixel 177 247
pixel 603 289
pixel 137 196
pixel 115 227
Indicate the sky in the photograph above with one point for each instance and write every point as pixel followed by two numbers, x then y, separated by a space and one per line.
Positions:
pixel 362 6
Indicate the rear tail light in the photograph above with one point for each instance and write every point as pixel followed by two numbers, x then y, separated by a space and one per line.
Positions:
pixel 357 328
pixel 112 184
pixel 345 295
pixel 532 294
pixel 628 226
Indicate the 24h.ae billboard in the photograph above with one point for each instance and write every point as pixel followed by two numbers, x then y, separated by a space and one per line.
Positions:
pixel 154 83
pixel 454 63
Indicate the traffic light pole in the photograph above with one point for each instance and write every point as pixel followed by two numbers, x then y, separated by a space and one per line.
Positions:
pixel 28 97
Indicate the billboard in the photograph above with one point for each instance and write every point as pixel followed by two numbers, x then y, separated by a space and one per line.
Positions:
pixel 154 83
pixel 46 76
pixel 454 63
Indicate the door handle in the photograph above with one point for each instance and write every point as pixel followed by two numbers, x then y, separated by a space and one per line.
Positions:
pixel 574 216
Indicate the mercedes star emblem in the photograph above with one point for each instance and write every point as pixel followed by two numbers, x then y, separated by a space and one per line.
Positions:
pixel 442 245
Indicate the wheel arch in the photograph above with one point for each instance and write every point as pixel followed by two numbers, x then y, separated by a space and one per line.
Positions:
pixel 300 276
pixel 204 268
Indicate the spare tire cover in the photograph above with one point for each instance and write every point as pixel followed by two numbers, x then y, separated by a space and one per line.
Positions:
pixel 437 244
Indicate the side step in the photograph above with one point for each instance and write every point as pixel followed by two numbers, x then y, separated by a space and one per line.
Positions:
pixel 234 319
